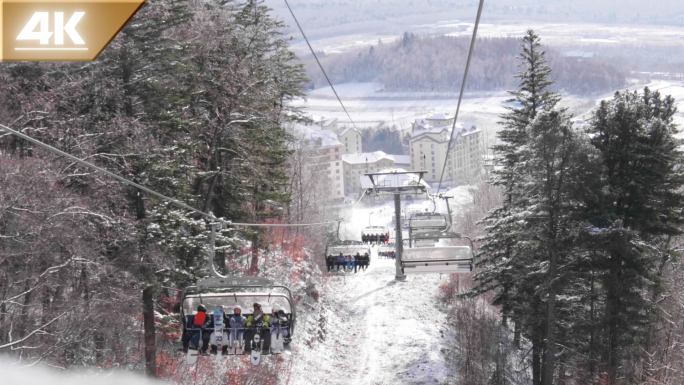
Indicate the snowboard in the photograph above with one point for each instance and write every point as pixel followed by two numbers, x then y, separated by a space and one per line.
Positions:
pixel 218 337
pixel 255 354
pixel 278 335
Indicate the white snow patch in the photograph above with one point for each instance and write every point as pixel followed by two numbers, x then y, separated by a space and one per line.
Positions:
pixel 378 331
pixel 18 374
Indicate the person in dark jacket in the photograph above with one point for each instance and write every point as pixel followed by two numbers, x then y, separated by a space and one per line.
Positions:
pixel 329 262
pixel 258 323
pixel 195 328
pixel 357 261
pixel 339 261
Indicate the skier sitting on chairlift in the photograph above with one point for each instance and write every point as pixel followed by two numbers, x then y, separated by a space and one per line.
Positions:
pixel 195 328
pixel 217 330
pixel 257 323
pixel 329 262
pixel 236 324
pixel 279 330
pixel 339 261
pixel 349 263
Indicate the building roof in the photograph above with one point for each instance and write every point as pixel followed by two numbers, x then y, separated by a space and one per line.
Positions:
pixel 401 159
pixel 313 134
pixel 372 157
pixel 445 129
pixel 439 117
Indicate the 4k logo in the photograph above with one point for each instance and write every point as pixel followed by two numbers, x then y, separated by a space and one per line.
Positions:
pixel 38 28
pixel 61 30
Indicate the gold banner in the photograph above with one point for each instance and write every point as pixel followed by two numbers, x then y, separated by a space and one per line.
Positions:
pixel 51 30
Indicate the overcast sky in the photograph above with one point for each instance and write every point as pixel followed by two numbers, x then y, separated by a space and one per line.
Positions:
pixel 321 14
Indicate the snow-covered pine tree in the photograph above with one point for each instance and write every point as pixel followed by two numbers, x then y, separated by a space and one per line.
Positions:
pixel 158 104
pixel 555 166
pixel 241 83
pixel 637 206
pixel 498 259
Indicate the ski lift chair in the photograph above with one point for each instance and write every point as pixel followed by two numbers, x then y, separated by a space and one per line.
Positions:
pixel 243 292
pixel 428 221
pixel 372 233
pixel 444 259
pixel 347 249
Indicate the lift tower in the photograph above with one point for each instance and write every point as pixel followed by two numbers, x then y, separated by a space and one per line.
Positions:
pixel 397 183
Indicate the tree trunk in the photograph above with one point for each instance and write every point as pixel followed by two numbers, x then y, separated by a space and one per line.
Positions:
pixel 536 359
pixel 149 330
pixel 99 342
pixel 254 264
pixel 610 355
pixel 549 359
pixel 593 345
pixel 23 315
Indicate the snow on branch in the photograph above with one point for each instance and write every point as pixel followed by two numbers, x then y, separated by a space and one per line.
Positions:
pixel 26 337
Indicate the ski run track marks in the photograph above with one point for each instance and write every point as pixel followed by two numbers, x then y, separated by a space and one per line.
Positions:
pixel 377 331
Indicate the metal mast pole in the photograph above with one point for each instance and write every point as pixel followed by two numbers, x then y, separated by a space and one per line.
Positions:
pixel 400 276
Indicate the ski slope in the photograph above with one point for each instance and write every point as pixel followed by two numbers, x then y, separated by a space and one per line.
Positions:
pixel 377 331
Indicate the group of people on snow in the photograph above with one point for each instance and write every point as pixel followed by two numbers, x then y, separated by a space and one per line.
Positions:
pixel 215 330
pixel 347 262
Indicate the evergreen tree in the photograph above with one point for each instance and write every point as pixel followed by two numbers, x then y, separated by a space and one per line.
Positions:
pixel 556 167
pixel 196 118
pixel 498 258
pixel 638 206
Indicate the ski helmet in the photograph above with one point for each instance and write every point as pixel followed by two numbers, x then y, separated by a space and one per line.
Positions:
pixel 201 307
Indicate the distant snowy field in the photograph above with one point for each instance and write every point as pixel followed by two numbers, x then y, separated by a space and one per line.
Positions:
pixel 368 104
pixel 574 34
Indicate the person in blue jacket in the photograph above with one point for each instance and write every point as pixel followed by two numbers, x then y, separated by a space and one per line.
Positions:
pixel 236 324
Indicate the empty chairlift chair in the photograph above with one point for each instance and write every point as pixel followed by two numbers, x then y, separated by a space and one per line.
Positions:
pixel 445 259
pixel 426 227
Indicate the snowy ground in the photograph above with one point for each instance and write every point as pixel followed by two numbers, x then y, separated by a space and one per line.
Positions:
pixel 378 331
pixel 15 374
pixel 375 330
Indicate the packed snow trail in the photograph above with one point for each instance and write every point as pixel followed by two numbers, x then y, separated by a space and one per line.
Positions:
pixel 376 331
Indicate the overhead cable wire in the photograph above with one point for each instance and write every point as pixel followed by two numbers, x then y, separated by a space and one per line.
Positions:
pixel 148 190
pixel 301 30
pixel 239 224
pixel 460 96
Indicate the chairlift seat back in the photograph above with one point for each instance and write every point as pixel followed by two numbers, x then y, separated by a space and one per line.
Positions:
pixel 444 259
